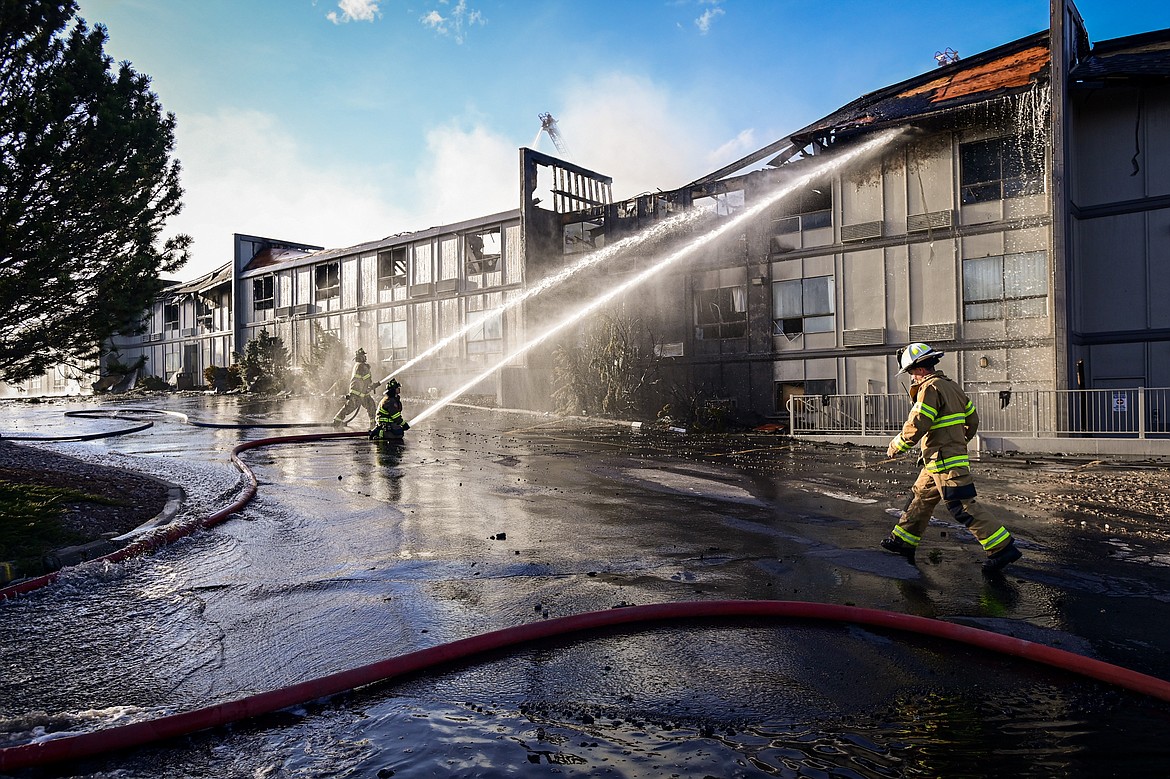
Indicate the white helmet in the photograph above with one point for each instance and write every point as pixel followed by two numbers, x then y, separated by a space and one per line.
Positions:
pixel 915 354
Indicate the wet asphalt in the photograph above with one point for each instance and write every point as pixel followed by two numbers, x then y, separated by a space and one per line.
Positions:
pixel 353 552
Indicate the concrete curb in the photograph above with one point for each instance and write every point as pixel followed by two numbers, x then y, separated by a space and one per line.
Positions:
pixel 73 555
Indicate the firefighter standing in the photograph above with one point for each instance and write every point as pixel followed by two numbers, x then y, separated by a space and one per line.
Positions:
pixel 390 424
pixel 361 385
pixel 942 421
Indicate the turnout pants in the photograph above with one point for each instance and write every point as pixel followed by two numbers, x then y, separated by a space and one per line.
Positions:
pixel 353 403
pixel 956 489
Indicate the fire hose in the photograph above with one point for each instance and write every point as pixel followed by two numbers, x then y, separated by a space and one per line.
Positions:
pixel 124 737
pixel 73 747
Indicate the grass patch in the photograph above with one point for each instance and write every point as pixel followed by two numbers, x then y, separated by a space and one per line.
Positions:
pixel 30 523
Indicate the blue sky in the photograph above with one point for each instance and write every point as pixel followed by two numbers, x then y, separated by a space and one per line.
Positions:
pixel 335 122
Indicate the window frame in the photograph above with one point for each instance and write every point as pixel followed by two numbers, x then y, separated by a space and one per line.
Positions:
pixel 486 338
pixel 1004 304
pixel 821 314
pixel 331 288
pixel 715 313
pixel 392 265
pixel 264 292
pixel 1007 169
pixel 390 349
pixel 808 209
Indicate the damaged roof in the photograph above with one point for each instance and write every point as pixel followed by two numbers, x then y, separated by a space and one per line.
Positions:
pixel 274 255
pixel 208 281
pixel 1006 69
pixel 1144 57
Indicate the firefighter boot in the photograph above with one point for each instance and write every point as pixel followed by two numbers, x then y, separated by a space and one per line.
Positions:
pixel 898 546
pixel 1001 559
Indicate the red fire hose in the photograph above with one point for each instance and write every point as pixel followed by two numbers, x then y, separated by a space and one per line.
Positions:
pixel 128 736
pixel 137 734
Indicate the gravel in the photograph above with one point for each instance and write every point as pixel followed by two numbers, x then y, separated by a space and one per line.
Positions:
pixel 134 498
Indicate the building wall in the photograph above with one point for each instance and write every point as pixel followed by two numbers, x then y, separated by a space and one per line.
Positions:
pixel 442 290
pixel 1120 235
pixel 893 283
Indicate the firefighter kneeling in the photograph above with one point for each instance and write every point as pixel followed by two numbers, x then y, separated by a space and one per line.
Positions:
pixel 389 424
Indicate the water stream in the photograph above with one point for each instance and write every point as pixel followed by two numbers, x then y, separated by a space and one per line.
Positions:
pixel 813 173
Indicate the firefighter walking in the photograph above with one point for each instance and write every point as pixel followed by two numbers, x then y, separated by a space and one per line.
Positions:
pixel 942 421
pixel 361 386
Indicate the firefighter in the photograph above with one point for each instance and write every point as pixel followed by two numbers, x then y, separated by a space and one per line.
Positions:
pixel 941 422
pixel 390 424
pixel 361 386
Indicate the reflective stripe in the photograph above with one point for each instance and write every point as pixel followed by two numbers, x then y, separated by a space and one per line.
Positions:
pixel 900 443
pixel 909 538
pixel 996 538
pixel 925 410
pixel 951 419
pixel 958 461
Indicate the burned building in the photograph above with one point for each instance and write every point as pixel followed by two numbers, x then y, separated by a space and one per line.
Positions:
pixel 1014 212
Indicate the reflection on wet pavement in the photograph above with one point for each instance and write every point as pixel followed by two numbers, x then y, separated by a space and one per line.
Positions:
pixel 352 553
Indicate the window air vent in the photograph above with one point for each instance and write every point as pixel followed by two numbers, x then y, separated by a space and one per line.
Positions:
pixel 930 333
pixel 187 332
pixel 861 231
pixel 284 311
pixel 446 285
pixel 303 308
pixel 875 336
pixel 935 220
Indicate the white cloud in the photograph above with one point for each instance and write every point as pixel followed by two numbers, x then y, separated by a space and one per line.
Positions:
pixel 708 18
pixel 244 173
pixel 454 23
pixel 354 11
pixel 468 172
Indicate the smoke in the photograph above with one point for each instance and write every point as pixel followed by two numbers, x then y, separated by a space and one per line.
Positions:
pixel 247 172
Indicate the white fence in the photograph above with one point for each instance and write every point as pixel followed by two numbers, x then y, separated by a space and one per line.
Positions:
pixel 1117 413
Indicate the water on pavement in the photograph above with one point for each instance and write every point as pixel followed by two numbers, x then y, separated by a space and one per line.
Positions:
pixel 352 553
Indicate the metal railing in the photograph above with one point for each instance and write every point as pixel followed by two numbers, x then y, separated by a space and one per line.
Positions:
pixel 1138 412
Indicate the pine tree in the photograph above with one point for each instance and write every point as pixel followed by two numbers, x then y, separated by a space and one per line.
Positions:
pixel 86 187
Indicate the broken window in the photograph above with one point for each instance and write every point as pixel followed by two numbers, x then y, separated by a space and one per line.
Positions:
pixel 392 268
pixel 721 313
pixel 584 236
pixel 392 337
pixel 483 251
pixel 1000 168
pixel 327 280
pixel 806 209
pixel 1013 286
pixel 263 292
pixel 722 204
pixel 803 306
pixel 171 316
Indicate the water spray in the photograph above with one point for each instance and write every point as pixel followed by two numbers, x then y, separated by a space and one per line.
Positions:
pixel 654 270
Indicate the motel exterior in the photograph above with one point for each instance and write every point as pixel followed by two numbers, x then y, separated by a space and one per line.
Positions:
pixel 1019 220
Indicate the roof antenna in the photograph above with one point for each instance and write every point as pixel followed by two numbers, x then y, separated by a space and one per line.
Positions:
pixel 946 56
